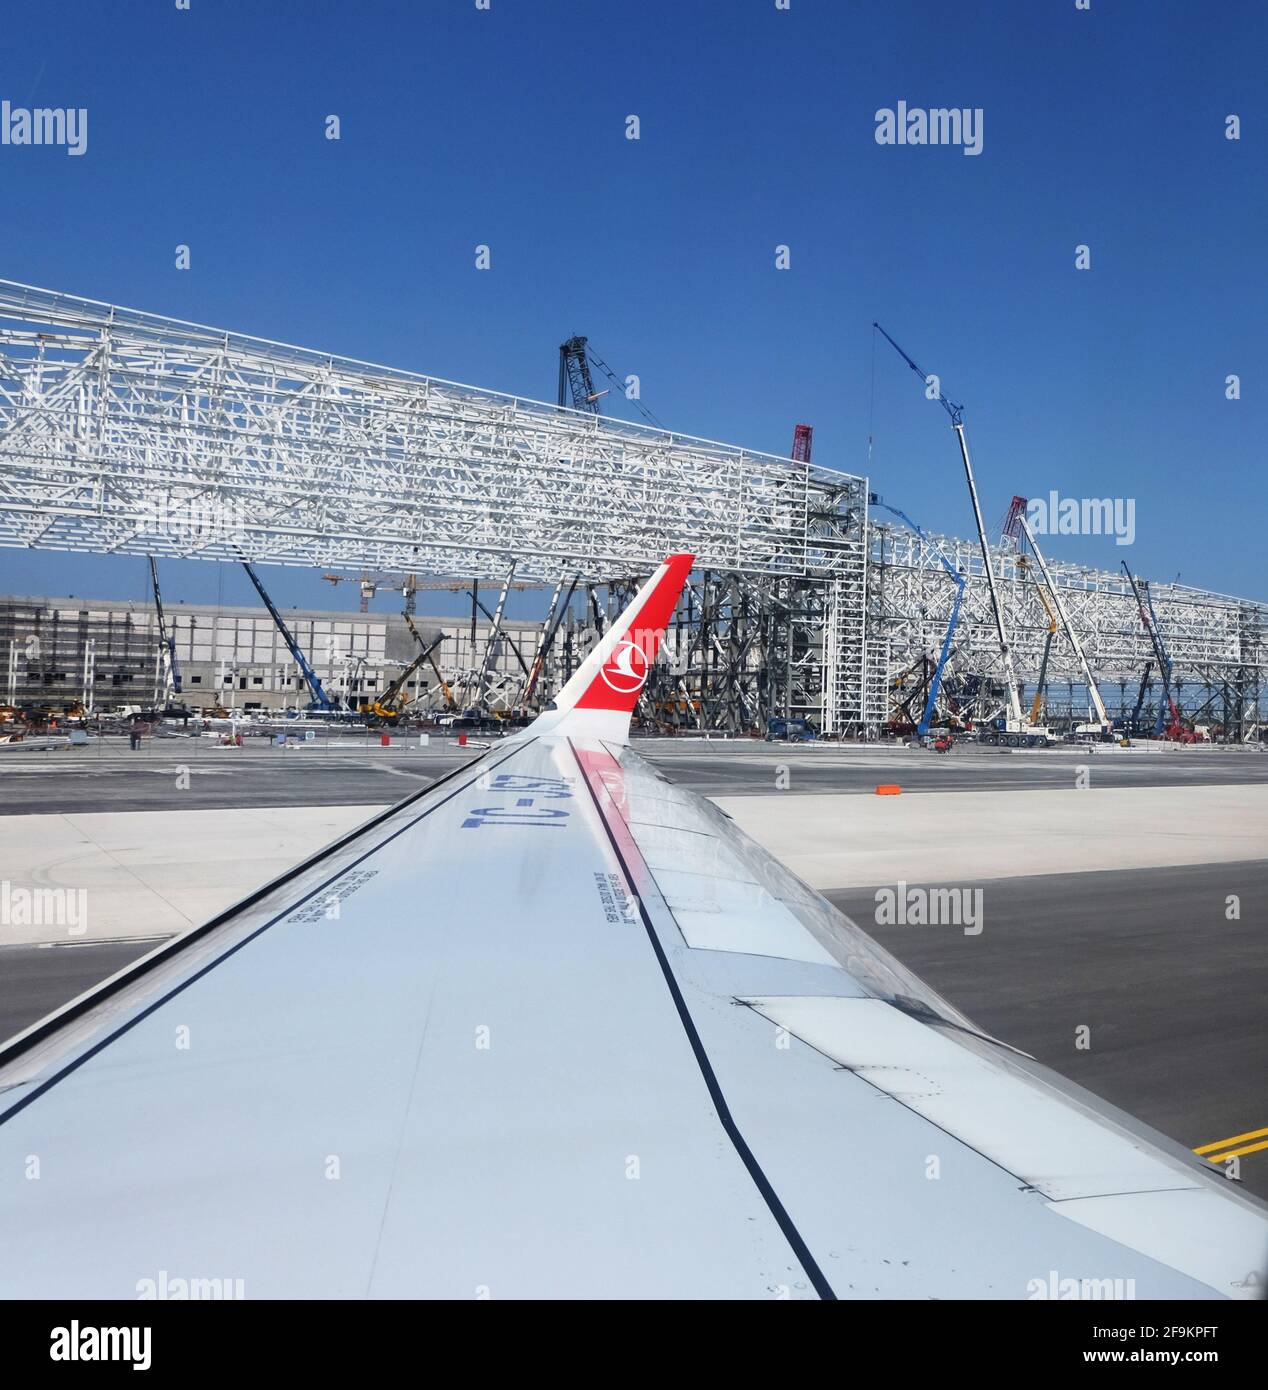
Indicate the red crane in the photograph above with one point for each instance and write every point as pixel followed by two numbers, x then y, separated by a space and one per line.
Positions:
pixel 802 436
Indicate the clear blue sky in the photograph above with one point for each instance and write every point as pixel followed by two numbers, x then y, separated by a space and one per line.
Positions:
pixel 507 127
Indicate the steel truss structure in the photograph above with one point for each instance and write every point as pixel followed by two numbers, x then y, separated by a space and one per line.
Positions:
pixel 123 432
pixel 1218 644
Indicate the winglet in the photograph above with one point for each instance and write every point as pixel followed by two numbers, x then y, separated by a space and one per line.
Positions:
pixel 603 691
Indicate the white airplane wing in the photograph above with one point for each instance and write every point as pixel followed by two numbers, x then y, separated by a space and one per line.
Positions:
pixel 555 1027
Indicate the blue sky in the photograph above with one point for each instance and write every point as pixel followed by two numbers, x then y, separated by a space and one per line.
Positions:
pixel 506 127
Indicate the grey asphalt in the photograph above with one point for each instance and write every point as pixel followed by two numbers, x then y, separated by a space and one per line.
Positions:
pixel 358 772
pixel 1173 992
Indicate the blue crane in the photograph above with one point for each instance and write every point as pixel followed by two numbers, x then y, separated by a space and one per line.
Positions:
pixel 933 390
pixel 321 700
pixel 960 584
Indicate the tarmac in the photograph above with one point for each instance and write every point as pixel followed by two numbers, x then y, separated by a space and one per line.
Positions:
pixel 1107 947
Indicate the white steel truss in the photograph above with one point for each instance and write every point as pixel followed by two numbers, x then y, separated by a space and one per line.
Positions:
pixel 127 433
pixel 123 432
pixel 1212 639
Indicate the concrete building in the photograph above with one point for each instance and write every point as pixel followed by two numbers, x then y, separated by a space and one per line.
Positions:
pixel 103 653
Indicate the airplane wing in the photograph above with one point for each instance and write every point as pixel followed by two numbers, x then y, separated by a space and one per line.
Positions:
pixel 555 1027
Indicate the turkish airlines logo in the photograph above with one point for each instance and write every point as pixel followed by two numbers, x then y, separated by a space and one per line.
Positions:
pixel 627 668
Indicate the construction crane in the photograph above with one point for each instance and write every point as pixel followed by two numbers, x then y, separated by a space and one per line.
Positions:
pixel 554 619
pixel 1167 704
pixel 1140 697
pixel 1018 510
pixel 803 437
pixel 370 584
pixel 576 385
pixel 389 706
pixel 321 700
pixel 1014 724
pixel 960 585
pixel 429 653
pixel 167 640
pixel 1036 705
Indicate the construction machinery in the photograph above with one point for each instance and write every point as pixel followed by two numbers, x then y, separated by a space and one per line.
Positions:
pixel 1103 725
pixel 922 728
pixel 388 707
pixel 576 385
pixel 803 438
pixel 1013 729
pixel 428 652
pixel 320 701
pixel 167 639
pixel 1170 723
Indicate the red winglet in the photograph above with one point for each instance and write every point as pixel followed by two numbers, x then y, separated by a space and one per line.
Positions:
pixel 639 630
pixel 612 677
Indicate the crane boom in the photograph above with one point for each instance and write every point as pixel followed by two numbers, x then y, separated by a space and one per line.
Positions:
pixel 1145 606
pixel 388 705
pixel 429 653
pixel 1101 715
pixel 167 639
pixel 960 583
pixel 320 698
pixel 956 412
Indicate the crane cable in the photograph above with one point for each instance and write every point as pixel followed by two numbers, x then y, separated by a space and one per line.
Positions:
pixel 607 371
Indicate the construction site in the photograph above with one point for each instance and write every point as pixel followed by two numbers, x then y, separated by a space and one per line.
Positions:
pixel 816 605
pixel 824 646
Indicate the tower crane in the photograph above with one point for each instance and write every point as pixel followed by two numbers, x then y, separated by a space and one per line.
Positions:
pixel 1014 723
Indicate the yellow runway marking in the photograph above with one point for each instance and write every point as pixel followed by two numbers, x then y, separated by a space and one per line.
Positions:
pixel 1233 1147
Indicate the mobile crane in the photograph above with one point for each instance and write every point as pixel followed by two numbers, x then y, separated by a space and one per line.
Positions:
pixel 1036 705
pixel 388 707
pixel 1016 730
pixel 1104 725
pixel 167 640
pixel 1176 729
pixel 960 584
pixel 321 701
pixel 429 652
